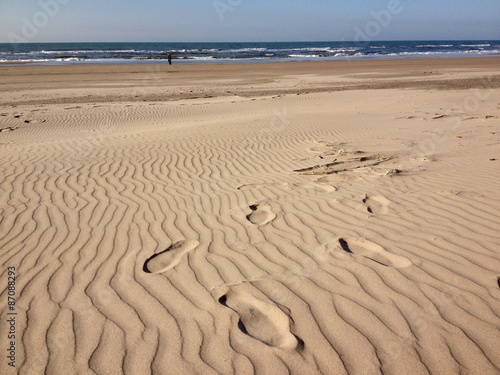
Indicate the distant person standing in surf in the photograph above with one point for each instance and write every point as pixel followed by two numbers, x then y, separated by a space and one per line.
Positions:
pixel 169 58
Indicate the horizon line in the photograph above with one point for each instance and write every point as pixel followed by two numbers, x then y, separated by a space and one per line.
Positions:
pixel 284 41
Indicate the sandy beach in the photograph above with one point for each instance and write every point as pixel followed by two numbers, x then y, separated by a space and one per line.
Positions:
pixel 338 217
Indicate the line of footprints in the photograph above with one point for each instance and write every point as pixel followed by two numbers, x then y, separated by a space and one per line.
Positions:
pixel 260 317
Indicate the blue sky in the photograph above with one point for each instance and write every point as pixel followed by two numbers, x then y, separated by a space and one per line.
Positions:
pixel 246 20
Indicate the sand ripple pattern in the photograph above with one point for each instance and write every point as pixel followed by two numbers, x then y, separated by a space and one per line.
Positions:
pixel 170 245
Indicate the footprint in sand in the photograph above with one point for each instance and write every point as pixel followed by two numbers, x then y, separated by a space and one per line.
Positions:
pixel 261 320
pixel 320 188
pixel 261 214
pixel 169 258
pixel 376 204
pixel 374 252
pixel 8 129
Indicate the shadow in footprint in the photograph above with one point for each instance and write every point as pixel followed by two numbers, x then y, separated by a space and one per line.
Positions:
pixel 223 300
pixel 242 328
pixel 261 320
pixel 170 257
pixel 374 252
pixel 368 208
pixel 498 281
pixel 344 245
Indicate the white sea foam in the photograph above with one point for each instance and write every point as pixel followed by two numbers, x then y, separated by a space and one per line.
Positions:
pixel 434 45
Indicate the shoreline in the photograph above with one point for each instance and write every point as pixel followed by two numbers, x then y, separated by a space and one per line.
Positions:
pixel 324 217
pixel 215 63
pixel 223 61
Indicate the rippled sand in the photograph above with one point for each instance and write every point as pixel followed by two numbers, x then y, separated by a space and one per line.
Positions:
pixel 312 218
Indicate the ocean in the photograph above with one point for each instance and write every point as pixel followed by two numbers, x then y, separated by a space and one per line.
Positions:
pixel 116 53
